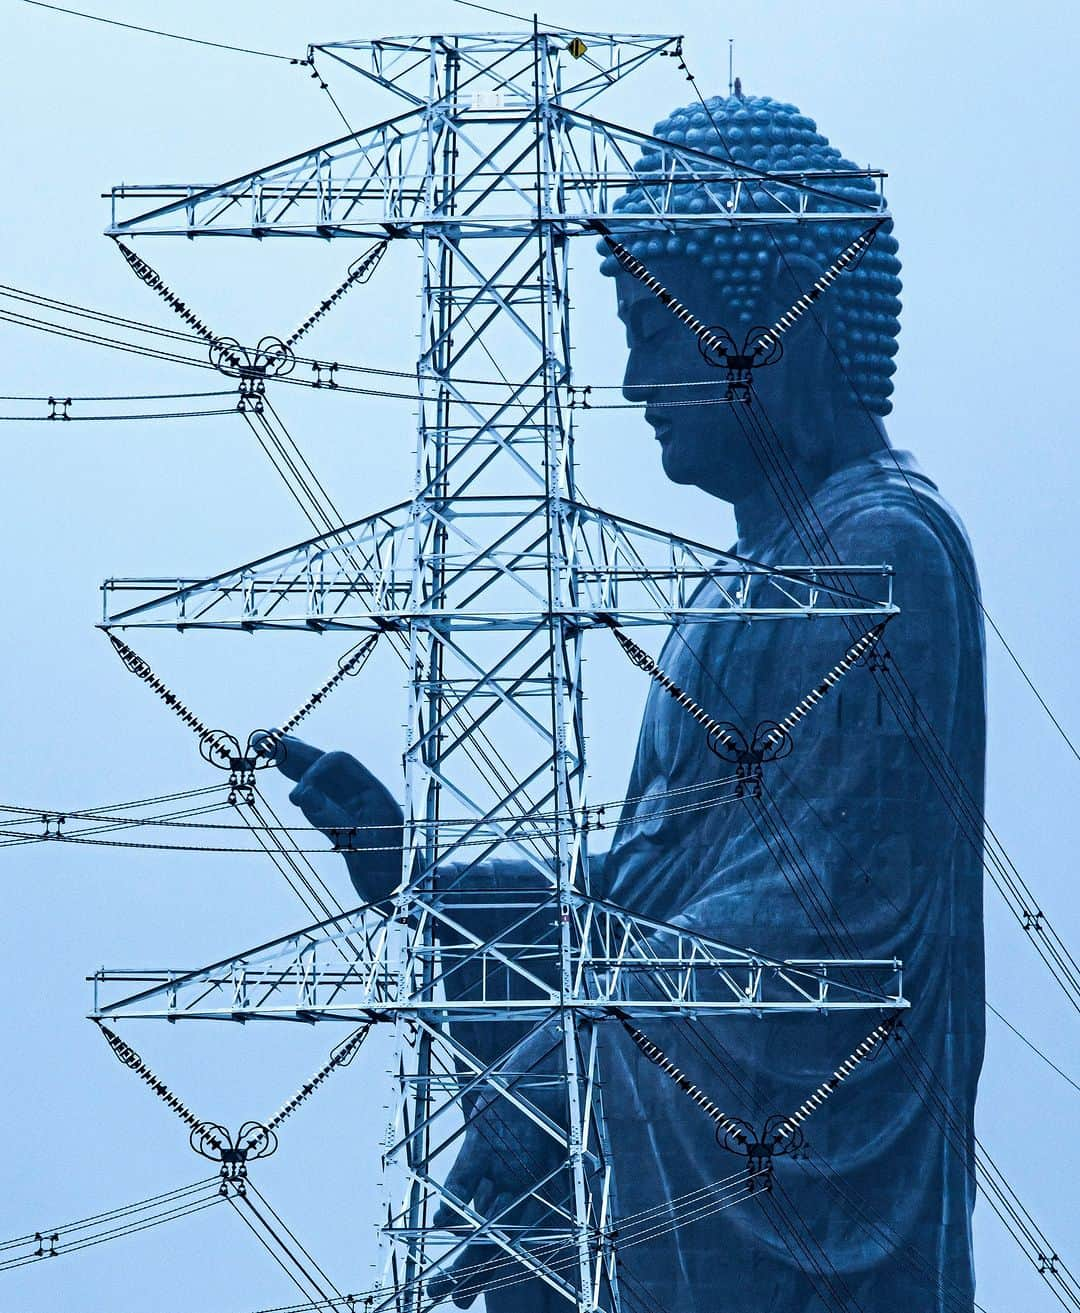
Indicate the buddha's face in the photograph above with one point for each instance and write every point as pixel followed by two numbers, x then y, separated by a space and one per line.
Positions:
pixel 706 444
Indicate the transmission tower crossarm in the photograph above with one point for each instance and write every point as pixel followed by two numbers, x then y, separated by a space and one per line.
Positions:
pixel 360 576
pixel 621 964
pixel 360 158
pixel 371 183
pixel 727 182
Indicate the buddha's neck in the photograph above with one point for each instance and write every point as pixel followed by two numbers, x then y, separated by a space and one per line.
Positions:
pixel 775 501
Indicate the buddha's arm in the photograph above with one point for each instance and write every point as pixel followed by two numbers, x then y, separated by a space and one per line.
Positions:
pixel 353 808
pixel 360 816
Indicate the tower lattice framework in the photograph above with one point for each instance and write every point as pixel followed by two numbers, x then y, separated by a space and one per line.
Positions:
pixel 488 580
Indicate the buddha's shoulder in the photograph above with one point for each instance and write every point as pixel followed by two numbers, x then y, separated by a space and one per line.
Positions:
pixel 889 511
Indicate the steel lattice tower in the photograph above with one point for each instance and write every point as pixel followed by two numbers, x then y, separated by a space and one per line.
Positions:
pixel 489 578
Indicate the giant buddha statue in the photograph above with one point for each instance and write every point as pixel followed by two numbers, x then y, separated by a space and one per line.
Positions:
pixel 854 845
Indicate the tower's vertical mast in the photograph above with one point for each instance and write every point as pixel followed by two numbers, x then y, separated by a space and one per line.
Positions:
pixel 423 748
pixel 493 308
pixel 568 759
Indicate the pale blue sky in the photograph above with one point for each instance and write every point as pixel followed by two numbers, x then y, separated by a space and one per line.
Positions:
pixel 972 108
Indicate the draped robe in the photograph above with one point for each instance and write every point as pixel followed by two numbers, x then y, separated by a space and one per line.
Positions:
pixel 883 1191
pixel 885 861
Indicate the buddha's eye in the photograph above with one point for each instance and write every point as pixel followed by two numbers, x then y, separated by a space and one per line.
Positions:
pixel 652 330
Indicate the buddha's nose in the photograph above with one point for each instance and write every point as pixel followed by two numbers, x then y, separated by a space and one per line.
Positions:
pixel 635 384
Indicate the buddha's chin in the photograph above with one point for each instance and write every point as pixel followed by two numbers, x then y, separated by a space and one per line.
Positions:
pixel 673 457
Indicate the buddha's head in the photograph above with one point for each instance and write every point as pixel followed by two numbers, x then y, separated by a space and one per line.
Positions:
pixel 831 388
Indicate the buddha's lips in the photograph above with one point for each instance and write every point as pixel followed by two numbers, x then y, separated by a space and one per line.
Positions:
pixel 661 427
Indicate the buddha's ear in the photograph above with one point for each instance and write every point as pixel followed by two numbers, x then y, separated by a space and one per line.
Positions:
pixel 807 341
pixel 793 275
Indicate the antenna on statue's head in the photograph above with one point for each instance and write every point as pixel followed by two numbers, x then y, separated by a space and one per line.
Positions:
pixel 730 64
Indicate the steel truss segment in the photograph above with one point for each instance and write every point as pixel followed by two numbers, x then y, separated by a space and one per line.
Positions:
pixel 462 1075
pixel 512 1085
pixel 374 182
pixel 621 964
pixel 496 68
pixel 361 577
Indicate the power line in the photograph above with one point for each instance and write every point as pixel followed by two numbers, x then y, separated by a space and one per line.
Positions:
pixel 681 1211
pixel 797 1236
pixel 928 1088
pixel 809 529
pixel 155 31
pixel 1021 1036
pixel 883 1235
pixel 309 62
pixel 1000 1195
pixel 35 815
pixel 719 1059
pixel 579 394
pixel 111 419
pixel 114 1225
pixel 293 1238
pixel 147 396
pixel 816 903
pixel 18 837
pixel 264 1229
pixel 109 1215
pixel 487 9
pixel 173 357
pixel 796 504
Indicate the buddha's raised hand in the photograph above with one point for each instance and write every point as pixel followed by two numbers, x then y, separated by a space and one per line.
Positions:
pixel 352 807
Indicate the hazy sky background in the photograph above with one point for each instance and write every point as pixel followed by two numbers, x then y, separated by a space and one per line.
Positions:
pixel 972 108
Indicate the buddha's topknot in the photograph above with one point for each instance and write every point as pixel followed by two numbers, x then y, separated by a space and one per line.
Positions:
pixel 761 133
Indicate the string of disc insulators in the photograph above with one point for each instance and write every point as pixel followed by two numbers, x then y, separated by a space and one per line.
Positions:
pixel 710 340
pixel 820 285
pixel 708 337
pixel 719 733
pixel 716 731
pixel 210 738
pixel 340 1058
pixel 736 1129
pixel 347 667
pixel 127 1055
pixel 359 272
pixel 142 670
pixel 155 281
pixel 824 1090
pixel 851 657
pixel 660 1059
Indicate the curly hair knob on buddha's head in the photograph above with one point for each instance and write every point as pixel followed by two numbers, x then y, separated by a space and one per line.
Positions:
pixel 760 133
